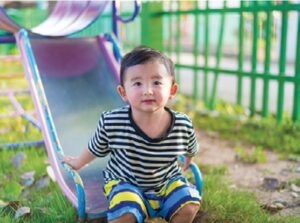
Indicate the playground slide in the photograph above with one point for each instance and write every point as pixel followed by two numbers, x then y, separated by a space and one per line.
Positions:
pixel 72 81
pixel 66 18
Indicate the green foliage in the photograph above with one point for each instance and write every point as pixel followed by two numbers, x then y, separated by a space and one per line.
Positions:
pixel 14 129
pixel 221 202
pixel 283 138
pixel 216 170
pixel 11 190
pixel 232 122
pixel 296 182
pixel 225 205
pixel 6 106
pixel 257 155
pixel 17 129
pixel 26 102
pixel 47 204
pixel 10 67
pixel 18 84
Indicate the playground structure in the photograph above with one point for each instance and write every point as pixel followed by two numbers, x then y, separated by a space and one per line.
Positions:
pixel 260 68
pixel 249 58
pixel 71 81
pixel 19 111
pixel 66 18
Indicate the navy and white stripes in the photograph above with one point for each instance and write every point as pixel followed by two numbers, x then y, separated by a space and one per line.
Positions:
pixel 134 157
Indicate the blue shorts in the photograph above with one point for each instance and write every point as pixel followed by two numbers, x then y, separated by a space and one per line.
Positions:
pixel 126 198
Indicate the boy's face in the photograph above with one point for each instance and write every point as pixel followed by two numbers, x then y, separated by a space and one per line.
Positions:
pixel 147 87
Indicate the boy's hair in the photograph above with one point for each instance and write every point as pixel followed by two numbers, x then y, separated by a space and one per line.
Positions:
pixel 142 55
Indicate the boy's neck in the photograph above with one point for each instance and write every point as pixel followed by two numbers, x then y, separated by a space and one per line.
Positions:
pixel 148 117
pixel 154 124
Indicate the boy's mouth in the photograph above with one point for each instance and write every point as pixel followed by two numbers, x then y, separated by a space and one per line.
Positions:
pixel 148 101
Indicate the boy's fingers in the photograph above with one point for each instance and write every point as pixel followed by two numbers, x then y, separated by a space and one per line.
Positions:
pixel 185 167
pixel 67 158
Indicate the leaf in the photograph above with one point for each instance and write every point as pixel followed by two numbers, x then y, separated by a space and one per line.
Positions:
pixel 18 159
pixel 50 173
pixel 295 188
pixel 27 175
pixel 27 179
pixel 10 207
pixel 22 212
pixel 14 204
pixel 3 204
pixel 26 193
pixel 42 183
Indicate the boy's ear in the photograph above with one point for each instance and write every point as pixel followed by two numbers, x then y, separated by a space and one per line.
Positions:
pixel 122 92
pixel 173 91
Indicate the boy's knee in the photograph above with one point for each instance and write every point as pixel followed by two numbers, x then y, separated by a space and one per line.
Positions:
pixel 127 217
pixel 186 214
pixel 189 210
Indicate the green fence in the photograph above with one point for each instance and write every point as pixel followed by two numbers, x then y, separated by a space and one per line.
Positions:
pixel 255 43
pixel 245 52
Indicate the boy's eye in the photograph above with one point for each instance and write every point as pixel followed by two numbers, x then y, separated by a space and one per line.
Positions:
pixel 157 83
pixel 137 84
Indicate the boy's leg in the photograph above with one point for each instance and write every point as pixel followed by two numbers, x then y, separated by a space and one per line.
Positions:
pixel 126 203
pixel 125 218
pixel 186 214
pixel 181 201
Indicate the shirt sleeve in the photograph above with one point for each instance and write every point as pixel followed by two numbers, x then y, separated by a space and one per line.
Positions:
pixel 98 144
pixel 193 146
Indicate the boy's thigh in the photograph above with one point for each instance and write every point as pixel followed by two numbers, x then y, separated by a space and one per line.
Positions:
pixel 178 194
pixel 124 198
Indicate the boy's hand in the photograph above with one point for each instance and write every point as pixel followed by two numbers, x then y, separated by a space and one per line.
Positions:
pixel 72 161
pixel 78 162
pixel 187 162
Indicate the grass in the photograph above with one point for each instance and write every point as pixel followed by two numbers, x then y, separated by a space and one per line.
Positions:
pixel 233 123
pixel 222 203
pixel 225 205
pixel 17 130
pixel 11 67
pixel 6 106
pixel 46 204
pixel 257 155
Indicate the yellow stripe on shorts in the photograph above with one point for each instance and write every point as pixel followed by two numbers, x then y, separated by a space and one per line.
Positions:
pixel 173 186
pixel 154 204
pixel 127 196
pixel 109 186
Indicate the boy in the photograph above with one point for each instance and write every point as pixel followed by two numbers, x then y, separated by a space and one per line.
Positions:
pixel 142 177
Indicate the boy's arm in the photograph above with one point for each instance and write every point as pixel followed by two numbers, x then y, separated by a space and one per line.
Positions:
pixel 78 162
pixel 187 162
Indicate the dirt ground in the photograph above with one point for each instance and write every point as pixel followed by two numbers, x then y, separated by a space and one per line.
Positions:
pixel 252 177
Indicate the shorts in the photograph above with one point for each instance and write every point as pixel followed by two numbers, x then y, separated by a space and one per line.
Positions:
pixel 126 198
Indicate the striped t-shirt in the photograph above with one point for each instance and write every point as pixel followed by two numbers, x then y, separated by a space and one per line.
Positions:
pixel 135 157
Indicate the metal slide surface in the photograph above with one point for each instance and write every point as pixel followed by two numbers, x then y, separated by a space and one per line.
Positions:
pixel 66 18
pixel 79 78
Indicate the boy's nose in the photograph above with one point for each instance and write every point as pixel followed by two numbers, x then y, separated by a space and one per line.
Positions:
pixel 148 90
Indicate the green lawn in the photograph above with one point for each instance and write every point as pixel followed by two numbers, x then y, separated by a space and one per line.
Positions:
pixel 46 204
pixel 222 203
pixel 233 123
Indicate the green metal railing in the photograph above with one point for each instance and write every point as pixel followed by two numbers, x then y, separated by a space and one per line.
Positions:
pixel 254 48
pixel 255 26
